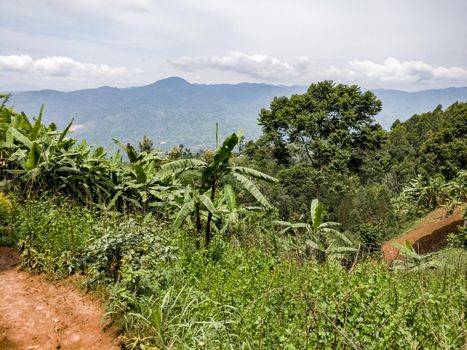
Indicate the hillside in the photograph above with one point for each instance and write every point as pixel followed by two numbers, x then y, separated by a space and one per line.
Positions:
pixel 402 105
pixel 173 111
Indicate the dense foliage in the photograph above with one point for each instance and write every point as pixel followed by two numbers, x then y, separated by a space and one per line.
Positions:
pixel 324 144
pixel 330 125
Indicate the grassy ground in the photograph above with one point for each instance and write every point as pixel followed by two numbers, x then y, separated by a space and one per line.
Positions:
pixel 255 293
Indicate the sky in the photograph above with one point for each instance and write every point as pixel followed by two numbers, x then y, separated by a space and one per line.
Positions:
pixel 75 44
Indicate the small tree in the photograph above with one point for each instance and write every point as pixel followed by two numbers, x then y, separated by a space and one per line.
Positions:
pixel 146 145
pixel 209 174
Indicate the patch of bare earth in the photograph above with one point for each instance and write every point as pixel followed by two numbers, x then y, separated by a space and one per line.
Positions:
pixel 429 234
pixel 37 314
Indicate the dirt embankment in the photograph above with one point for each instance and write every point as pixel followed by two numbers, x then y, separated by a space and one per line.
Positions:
pixel 429 234
pixel 37 314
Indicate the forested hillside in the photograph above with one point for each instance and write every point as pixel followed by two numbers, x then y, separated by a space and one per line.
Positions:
pixel 170 111
pixel 173 112
pixel 266 244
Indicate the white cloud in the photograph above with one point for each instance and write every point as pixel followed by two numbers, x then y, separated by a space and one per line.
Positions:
pixel 58 66
pixel 395 71
pixel 16 62
pixel 255 66
pixel 391 72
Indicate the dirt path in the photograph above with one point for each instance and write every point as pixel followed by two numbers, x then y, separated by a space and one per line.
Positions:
pixel 428 235
pixel 36 314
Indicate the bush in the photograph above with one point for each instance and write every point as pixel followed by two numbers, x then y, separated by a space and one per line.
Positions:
pixel 124 251
pixel 7 213
pixel 372 216
pixel 6 207
pixel 51 233
pixel 459 239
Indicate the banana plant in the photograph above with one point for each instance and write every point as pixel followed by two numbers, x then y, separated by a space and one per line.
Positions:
pixel 414 261
pixel 29 147
pixel 194 207
pixel 209 174
pixel 321 238
pixel 34 154
pixel 231 216
pixel 140 186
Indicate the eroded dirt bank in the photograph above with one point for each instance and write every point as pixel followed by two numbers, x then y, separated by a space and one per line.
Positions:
pixel 428 235
pixel 37 314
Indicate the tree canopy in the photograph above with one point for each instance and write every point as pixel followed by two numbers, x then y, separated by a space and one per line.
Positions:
pixel 328 125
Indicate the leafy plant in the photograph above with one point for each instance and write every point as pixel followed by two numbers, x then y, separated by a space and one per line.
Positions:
pixel 459 239
pixel 6 207
pixel 51 234
pixel 122 249
pixel 322 239
pixel 184 319
pixel 435 191
pixel 209 176
pixel 7 220
pixel 413 260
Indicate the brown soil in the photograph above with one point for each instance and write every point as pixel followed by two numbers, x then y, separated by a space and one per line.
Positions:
pixel 37 314
pixel 428 235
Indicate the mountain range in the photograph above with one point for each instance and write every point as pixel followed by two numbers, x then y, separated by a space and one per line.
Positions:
pixel 173 111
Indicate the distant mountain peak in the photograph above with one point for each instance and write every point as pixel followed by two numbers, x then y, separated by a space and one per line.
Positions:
pixel 172 82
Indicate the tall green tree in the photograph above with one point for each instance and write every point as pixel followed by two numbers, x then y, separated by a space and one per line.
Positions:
pixel 445 150
pixel 146 144
pixel 328 125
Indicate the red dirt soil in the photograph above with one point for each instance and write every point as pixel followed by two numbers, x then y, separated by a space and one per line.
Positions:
pixel 37 314
pixel 429 234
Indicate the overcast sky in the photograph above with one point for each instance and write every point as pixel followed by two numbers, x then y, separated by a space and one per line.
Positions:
pixel 73 44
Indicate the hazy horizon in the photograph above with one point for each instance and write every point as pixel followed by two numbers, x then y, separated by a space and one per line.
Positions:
pixel 207 83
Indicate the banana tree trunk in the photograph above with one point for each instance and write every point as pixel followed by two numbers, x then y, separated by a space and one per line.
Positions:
pixel 208 223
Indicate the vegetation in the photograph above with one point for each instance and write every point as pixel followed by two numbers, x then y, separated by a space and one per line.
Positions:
pixel 207 252
pixel 209 176
pixel 321 239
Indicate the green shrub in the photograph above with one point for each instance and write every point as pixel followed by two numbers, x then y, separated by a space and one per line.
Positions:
pixel 459 239
pixel 6 207
pixel 7 213
pixel 124 251
pixel 178 319
pixel 51 233
pixel 261 302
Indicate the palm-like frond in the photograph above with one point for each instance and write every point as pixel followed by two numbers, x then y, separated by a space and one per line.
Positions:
pixel 282 223
pixel 207 203
pixel 65 131
pixel 340 249
pixel 13 133
pixel 183 213
pixel 141 176
pixel 253 173
pixel 180 165
pixel 33 156
pixel 330 224
pixel 251 187
pixel 229 197
pixel 317 213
